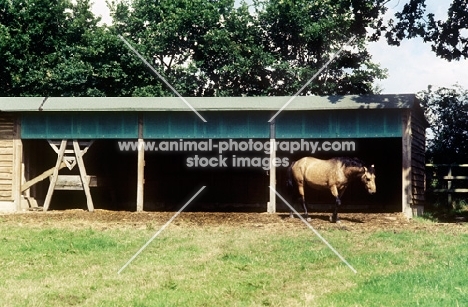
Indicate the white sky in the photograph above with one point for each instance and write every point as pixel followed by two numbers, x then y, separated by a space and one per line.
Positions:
pixel 411 67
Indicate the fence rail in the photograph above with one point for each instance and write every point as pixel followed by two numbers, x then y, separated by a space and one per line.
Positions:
pixel 449 178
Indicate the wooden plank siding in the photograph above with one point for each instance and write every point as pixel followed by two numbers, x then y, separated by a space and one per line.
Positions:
pixel 418 162
pixel 7 136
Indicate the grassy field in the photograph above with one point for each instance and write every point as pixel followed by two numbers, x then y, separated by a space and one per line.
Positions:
pixel 232 266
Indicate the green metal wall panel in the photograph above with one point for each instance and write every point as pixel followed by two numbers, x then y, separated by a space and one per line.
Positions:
pixel 79 125
pixel 226 124
pixel 339 124
pixel 319 123
pixel 238 124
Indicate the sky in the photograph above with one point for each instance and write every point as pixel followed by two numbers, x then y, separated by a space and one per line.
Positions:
pixel 412 66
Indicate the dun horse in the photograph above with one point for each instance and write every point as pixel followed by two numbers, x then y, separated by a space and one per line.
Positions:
pixel 334 175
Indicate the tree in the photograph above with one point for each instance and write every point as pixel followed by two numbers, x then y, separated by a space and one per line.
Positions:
pixel 28 33
pixel 234 55
pixel 58 48
pixel 270 48
pixel 203 47
pixel 168 33
pixel 303 35
pixel 448 38
pixel 447 112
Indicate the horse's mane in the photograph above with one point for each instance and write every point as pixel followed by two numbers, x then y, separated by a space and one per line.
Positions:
pixel 355 162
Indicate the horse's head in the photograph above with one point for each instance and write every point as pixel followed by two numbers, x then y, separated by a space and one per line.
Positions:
pixel 368 178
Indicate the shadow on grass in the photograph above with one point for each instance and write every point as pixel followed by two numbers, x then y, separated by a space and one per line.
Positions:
pixel 323 217
pixel 446 216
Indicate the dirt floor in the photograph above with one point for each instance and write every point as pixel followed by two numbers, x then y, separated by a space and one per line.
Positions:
pixel 104 219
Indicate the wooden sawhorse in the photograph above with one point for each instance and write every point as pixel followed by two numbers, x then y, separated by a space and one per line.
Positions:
pixel 70 153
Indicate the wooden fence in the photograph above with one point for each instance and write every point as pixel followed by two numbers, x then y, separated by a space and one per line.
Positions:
pixel 451 179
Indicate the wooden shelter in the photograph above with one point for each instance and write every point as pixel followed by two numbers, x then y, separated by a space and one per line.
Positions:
pixel 389 129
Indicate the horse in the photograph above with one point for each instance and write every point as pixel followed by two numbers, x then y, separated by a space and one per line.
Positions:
pixel 333 174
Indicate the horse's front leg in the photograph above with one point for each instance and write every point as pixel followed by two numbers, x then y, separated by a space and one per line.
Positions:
pixel 334 217
pixel 334 191
pixel 306 214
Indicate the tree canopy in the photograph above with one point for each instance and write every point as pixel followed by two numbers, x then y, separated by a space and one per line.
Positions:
pixel 209 47
pixel 447 112
pixel 203 47
pixel 448 38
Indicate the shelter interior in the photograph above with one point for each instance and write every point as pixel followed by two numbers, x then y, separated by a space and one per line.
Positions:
pixel 169 182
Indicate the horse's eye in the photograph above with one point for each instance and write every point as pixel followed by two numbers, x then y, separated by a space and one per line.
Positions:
pixel 368 179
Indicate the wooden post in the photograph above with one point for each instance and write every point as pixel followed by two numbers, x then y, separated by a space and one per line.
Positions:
pixel 406 180
pixel 140 166
pixel 271 207
pixel 17 172
pixel 53 180
pixel 84 180
pixel 449 187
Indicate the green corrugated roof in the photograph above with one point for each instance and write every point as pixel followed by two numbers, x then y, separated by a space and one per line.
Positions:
pixel 348 102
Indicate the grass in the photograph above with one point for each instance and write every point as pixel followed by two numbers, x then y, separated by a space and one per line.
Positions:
pixel 232 266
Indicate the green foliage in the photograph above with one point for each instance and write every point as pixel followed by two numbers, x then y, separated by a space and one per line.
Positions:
pixel 202 47
pixel 58 49
pixel 447 112
pixel 269 48
pixel 207 47
pixel 448 38
pixel 303 35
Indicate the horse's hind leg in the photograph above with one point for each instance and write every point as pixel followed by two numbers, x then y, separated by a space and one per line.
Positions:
pixel 291 215
pixel 301 193
pixel 306 214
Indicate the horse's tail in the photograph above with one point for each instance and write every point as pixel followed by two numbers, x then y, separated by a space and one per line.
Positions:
pixel 289 179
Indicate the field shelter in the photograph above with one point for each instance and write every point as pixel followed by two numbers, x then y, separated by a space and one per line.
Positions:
pixel 66 152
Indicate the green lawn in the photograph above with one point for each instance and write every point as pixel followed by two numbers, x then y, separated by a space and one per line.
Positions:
pixel 232 266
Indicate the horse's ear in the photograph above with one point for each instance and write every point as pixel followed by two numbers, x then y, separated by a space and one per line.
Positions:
pixel 365 169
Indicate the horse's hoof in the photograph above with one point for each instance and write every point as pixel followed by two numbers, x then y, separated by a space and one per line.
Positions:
pixel 308 219
pixel 334 220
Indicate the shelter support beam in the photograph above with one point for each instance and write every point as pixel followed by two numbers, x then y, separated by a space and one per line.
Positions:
pixel 271 207
pixel 17 169
pixel 406 172
pixel 140 166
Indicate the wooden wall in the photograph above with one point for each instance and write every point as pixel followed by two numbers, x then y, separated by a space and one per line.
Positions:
pixel 418 163
pixel 7 136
